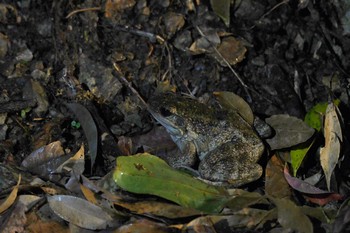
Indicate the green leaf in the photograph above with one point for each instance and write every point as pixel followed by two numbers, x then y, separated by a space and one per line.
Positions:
pixel 297 156
pixel 314 117
pixel 222 9
pixel 148 174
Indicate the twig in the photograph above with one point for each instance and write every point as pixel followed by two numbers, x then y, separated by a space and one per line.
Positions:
pixel 245 87
pixel 267 13
pixel 128 84
pixel 83 10
pixel 152 37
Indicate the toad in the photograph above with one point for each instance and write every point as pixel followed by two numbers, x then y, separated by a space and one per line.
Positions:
pixel 227 147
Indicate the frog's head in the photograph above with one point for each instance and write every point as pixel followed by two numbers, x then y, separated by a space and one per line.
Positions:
pixel 170 111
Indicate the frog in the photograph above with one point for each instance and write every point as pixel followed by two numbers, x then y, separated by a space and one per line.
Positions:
pixel 221 143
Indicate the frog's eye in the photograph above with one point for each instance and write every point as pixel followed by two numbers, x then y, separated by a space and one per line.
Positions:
pixel 165 112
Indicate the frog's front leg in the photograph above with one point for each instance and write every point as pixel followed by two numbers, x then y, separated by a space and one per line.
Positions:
pixel 230 165
pixel 185 157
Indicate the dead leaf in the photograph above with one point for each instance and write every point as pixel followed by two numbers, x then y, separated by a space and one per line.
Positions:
pixel 329 154
pixel 243 199
pixel 173 23
pixel 36 224
pixel 75 163
pixel 113 7
pixel 222 9
pixel 158 208
pixel 11 198
pixel 232 102
pixel 45 160
pixel 88 194
pixel 275 183
pixel 290 131
pixel 165 86
pixel 89 127
pixel 247 217
pixel 231 49
pixel 143 226
pixel 80 212
pixel 291 216
pixel 43 155
pixel 310 192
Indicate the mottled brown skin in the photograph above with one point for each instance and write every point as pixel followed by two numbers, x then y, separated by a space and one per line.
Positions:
pixel 226 145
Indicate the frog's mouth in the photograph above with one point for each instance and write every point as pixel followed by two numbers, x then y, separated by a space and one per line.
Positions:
pixel 170 127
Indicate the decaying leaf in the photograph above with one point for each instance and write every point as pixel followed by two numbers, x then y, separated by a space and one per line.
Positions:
pixel 11 198
pixel 222 9
pixel 89 127
pixel 230 49
pixel 113 7
pixel 291 216
pixel 275 183
pixel 310 192
pixel 243 199
pixel 75 163
pixel 173 23
pixel 158 208
pixel 247 217
pixel 232 102
pixel 301 185
pixel 148 174
pixel 45 160
pixel 329 154
pixel 80 212
pixel 88 194
pixel 290 131
pixel 143 226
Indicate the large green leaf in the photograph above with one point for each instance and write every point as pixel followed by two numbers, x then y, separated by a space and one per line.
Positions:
pixel 148 174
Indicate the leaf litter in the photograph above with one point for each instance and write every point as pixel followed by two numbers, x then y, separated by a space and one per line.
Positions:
pixel 193 48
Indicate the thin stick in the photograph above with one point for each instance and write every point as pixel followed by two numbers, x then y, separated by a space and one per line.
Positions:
pixel 83 10
pixel 245 87
pixel 128 84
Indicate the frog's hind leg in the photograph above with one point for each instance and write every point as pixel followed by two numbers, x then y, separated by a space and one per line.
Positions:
pixel 231 165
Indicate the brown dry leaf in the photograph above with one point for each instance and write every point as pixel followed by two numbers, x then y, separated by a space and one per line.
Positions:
pixel 88 194
pixel 143 226
pixel 158 208
pixel 290 131
pixel 247 217
pixel 44 136
pixel 165 86
pixel 275 183
pixel 231 101
pixel 11 198
pixel 113 7
pixel 243 199
pixel 291 216
pixel 173 23
pixel 75 163
pixel 232 50
pixel 329 154
pixel 38 225
pixel 154 141
pixel 45 160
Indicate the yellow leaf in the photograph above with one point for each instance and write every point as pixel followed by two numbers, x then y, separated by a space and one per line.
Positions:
pixel 329 154
pixel 11 198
